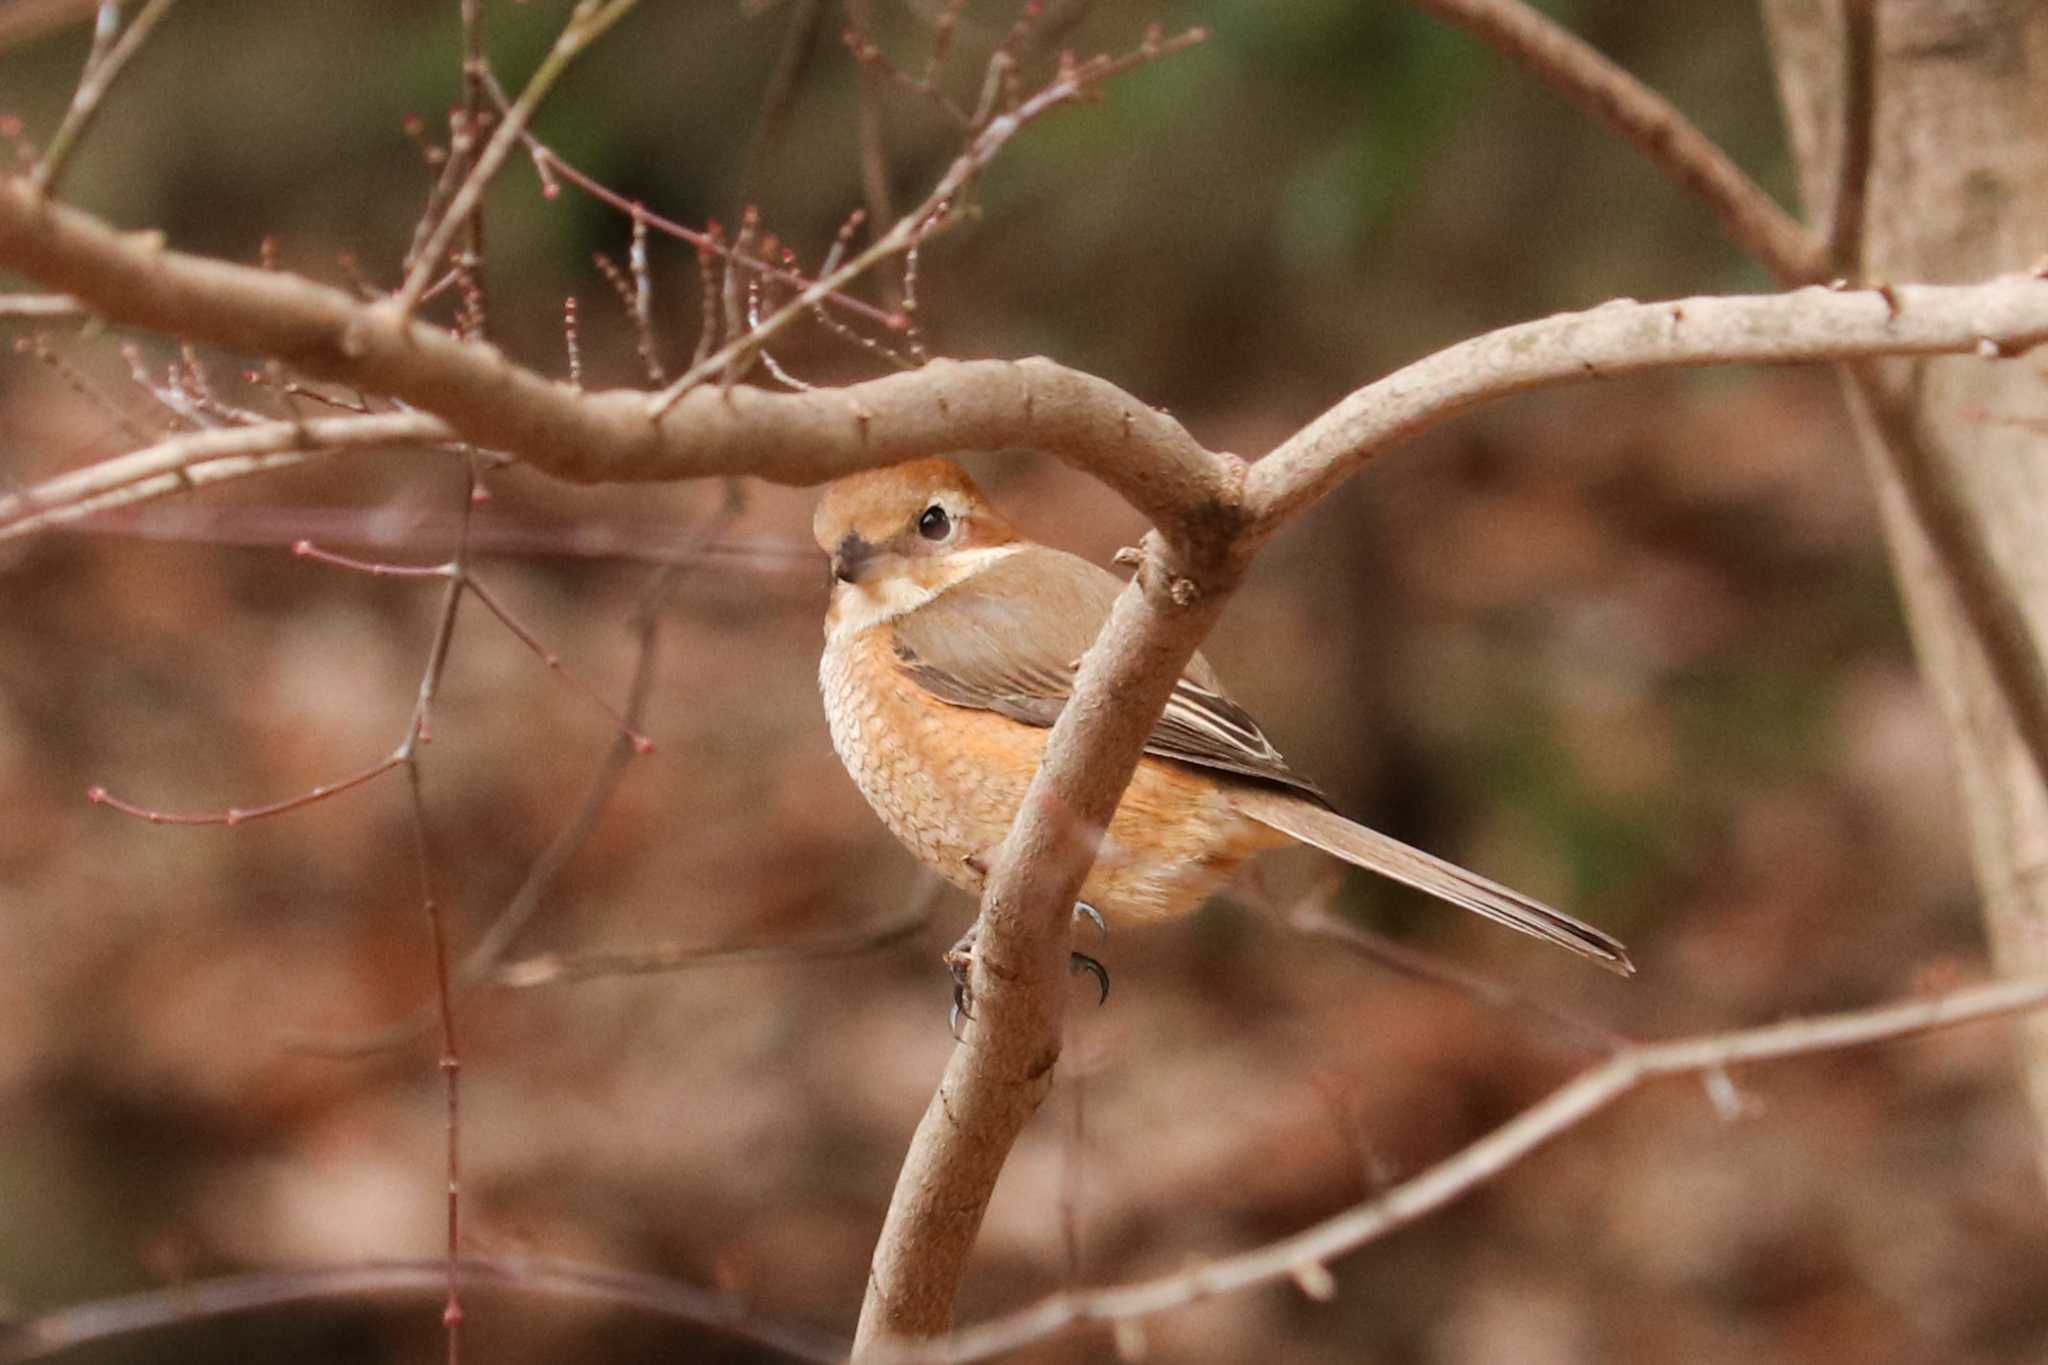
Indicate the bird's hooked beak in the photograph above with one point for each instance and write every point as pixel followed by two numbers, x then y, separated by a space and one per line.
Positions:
pixel 854 558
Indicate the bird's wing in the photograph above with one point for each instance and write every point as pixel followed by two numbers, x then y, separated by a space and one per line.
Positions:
pixel 973 646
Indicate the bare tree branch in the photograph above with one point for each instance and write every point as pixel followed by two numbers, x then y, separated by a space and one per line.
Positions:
pixel 1303 1257
pixel 1576 70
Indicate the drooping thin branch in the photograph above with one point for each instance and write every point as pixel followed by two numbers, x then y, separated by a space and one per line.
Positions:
pixel 242 815
pixel 130 1315
pixel 1304 1253
pixel 1317 918
pixel 1578 71
pixel 552 969
pixel 462 149
pixel 204 457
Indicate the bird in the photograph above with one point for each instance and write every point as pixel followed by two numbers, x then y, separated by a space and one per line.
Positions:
pixel 951 646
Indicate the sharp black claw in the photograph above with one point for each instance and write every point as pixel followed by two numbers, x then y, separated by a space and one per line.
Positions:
pixel 1088 912
pixel 1081 962
pixel 959 960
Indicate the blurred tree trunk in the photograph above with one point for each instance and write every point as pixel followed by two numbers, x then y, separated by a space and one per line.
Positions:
pixel 1957 190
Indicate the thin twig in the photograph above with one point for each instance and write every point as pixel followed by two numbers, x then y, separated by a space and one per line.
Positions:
pixel 462 147
pixel 109 57
pixel 1318 919
pixel 1859 118
pixel 481 961
pixel 871 136
pixel 587 23
pixel 553 969
pixel 548 162
pixel 1573 68
pixel 418 731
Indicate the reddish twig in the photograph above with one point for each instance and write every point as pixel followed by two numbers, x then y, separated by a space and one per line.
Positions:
pixel 239 815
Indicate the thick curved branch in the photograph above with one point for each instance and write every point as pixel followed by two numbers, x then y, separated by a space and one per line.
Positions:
pixel 996 1081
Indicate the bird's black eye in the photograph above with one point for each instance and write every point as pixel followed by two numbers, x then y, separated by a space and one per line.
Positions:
pixel 934 524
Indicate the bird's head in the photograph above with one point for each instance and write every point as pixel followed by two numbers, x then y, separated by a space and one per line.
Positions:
pixel 900 536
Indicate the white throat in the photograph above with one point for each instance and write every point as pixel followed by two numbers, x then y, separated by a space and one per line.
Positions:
pixel 857 606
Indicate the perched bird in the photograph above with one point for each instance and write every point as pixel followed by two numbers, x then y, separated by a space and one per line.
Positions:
pixel 951 645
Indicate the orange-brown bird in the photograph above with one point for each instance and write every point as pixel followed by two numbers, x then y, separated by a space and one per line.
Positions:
pixel 951 645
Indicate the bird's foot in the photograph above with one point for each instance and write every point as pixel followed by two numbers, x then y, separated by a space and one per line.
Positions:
pixel 959 960
pixel 1078 963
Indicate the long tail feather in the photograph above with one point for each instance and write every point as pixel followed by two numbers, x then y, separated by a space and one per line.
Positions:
pixel 1367 848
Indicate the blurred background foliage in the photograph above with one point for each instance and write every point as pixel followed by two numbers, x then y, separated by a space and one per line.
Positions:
pixel 1632 646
